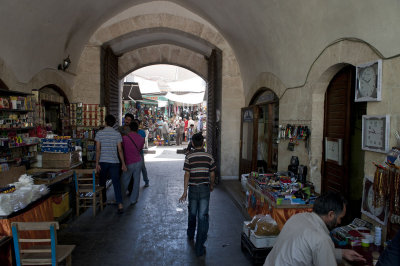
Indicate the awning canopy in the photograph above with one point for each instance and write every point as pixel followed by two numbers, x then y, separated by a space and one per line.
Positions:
pixel 189 98
pixel 131 92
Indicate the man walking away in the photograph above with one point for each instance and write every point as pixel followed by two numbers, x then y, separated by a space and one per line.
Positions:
pixel 133 144
pixel 108 147
pixel 199 169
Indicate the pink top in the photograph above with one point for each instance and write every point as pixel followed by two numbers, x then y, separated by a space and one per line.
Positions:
pixel 132 154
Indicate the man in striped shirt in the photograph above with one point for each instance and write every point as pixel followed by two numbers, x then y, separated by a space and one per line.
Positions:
pixel 108 148
pixel 199 169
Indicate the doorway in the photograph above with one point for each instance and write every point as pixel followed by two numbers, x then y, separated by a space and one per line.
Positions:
pixel 343 125
pixel 259 134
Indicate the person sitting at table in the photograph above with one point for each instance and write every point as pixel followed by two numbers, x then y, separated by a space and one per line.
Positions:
pixel 305 240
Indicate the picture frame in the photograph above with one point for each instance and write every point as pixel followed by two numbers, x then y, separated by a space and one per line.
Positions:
pixel 334 150
pixel 375 133
pixel 377 213
pixel 368 86
pixel 248 115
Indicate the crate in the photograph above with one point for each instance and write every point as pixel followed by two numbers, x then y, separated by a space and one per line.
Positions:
pixel 60 203
pixel 262 241
pixel 257 255
pixel 61 160
pixel 246 230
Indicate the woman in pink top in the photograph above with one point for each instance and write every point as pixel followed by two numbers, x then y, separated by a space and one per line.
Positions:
pixel 133 144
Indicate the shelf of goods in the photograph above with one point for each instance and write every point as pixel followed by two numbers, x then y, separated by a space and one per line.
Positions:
pixel 86 115
pixel 18 139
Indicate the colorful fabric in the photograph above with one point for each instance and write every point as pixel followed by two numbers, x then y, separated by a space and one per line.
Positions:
pixel 199 164
pixel 109 139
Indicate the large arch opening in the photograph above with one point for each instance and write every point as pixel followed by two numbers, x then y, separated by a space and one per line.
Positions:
pixel 171 92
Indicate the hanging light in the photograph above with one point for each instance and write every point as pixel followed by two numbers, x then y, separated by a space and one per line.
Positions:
pixel 65 64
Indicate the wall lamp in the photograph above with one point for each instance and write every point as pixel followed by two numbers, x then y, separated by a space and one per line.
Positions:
pixel 65 64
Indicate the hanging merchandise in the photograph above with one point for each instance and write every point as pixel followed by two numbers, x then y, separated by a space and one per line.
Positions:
pixel 380 185
pixel 294 133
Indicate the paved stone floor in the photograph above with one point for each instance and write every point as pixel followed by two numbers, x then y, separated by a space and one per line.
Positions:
pixel 153 232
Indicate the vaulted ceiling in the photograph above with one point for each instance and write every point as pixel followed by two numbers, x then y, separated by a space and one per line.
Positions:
pixel 283 37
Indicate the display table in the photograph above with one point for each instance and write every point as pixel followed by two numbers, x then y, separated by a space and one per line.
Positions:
pixel 280 213
pixel 365 252
pixel 38 211
pixel 66 175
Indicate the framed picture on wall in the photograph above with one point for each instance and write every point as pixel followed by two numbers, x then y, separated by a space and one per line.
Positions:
pixel 374 210
pixel 375 133
pixel 368 82
pixel 334 150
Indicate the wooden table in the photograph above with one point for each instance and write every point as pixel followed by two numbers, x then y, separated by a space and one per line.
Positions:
pixel 66 175
pixel 280 213
pixel 40 210
pixel 365 252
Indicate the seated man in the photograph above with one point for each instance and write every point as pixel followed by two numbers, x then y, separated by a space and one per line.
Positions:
pixel 305 240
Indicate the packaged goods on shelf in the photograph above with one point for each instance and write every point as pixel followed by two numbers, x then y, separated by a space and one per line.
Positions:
pixel 57 145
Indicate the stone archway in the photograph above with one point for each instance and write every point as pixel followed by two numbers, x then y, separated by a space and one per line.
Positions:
pixel 267 80
pixel 88 74
pixel 332 59
pixel 163 54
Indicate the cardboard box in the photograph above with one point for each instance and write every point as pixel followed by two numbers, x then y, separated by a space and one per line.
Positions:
pixel 61 160
pixel 60 203
pixel 11 175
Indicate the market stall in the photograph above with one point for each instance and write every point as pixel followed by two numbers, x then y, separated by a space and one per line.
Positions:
pixel 21 201
pixel 276 195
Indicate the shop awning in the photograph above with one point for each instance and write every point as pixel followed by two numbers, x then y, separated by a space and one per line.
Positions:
pixel 189 98
pixel 147 101
pixel 131 92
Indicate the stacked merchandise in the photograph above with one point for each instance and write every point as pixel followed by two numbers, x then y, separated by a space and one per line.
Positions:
pixel 20 103
pixel 87 115
pixel 18 195
pixel 280 189
pixel 259 236
pixel 57 145
pixel 262 230
pixel 59 152
pixel 358 233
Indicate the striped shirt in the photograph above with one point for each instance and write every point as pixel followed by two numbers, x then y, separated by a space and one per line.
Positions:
pixel 109 139
pixel 199 164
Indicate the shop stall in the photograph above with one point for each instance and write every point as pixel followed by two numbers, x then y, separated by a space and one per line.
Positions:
pixel 276 195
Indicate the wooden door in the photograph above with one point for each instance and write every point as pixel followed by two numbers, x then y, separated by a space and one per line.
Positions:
pixel 214 96
pixel 248 145
pixel 337 126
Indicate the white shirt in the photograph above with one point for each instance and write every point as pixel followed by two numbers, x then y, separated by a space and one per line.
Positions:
pixel 304 241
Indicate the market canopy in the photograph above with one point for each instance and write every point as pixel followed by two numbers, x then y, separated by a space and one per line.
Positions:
pixel 131 92
pixel 195 84
pixel 147 86
pixel 189 98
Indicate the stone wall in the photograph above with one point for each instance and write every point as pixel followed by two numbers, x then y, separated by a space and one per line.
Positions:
pixel 232 85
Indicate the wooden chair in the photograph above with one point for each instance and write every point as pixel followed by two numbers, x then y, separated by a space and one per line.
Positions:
pixel 88 193
pixel 38 251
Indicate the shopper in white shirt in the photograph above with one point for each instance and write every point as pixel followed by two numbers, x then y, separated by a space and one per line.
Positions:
pixel 305 240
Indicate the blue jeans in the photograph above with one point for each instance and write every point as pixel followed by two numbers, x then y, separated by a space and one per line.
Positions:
pixel 199 199
pixel 144 171
pixel 111 170
pixel 132 172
